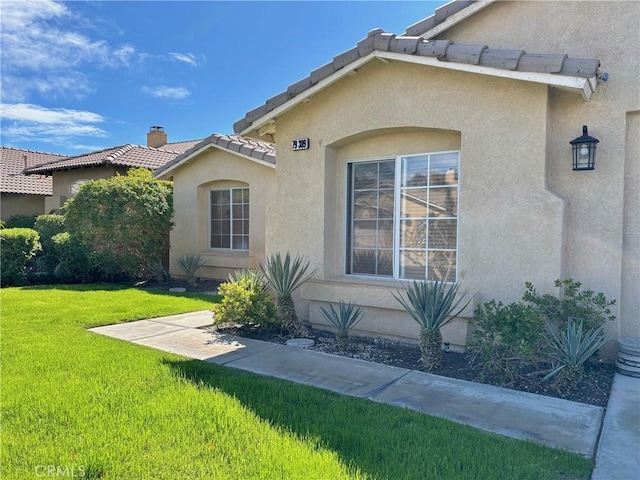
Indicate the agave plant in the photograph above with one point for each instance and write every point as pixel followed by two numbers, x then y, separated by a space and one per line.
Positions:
pixel 254 278
pixel 190 264
pixel 284 277
pixel 157 271
pixel 343 320
pixel 570 349
pixel 432 306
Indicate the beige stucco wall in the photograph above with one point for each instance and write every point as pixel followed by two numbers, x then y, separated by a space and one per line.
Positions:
pixel 192 182
pixel 419 109
pixel 524 214
pixel 18 204
pixel 601 204
pixel 65 182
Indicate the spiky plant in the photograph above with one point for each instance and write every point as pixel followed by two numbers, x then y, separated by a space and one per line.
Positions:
pixel 344 319
pixel 570 349
pixel 283 278
pixel 157 271
pixel 432 306
pixel 189 264
pixel 254 278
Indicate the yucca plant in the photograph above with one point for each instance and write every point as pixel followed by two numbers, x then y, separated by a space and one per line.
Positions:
pixel 189 264
pixel 254 278
pixel 570 349
pixel 157 271
pixel 344 319
pixel 283 278
pixel 432 305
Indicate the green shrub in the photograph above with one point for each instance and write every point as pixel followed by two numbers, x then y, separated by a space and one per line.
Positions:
pixel 506 338
pixel 593 309
pixel 47 227
pixel 17 247
pixel 74 264
pixel 245 301
pixel 124 222
pixel 21 221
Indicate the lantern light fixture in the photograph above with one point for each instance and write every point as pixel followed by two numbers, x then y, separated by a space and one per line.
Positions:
pixel 584 151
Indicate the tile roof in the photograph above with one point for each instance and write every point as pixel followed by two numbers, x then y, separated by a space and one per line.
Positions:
pixel 255 149
pixel 179 147
pixel 13 161
pixel 476 55
pixel 441 14
pixel 122 156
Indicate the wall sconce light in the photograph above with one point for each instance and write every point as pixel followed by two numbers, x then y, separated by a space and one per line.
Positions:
pixel 584 151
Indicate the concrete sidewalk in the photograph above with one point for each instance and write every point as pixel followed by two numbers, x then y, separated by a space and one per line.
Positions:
pixel 550 421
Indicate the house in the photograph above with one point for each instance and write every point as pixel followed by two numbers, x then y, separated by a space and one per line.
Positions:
pixel 21 194
pixel 69 173
pixel 443 153
pixel 222 187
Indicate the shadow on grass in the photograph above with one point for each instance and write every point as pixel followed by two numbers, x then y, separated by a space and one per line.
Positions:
pixel 340 424
pixel 380 440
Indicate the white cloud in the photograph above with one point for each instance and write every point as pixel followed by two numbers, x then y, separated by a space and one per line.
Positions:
pixel 54 125
pixel 188 58
pixel 162 91
pixel 52 84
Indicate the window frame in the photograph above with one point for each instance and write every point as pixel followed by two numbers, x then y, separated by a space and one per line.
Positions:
pixel 231 219
pixel 397 189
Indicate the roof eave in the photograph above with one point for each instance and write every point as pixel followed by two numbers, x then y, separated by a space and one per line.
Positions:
pixel 165 171
pixel 450 21
pixel 584 86
pixel 260 122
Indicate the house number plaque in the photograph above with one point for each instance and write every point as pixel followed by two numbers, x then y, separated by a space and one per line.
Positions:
pixel 300 144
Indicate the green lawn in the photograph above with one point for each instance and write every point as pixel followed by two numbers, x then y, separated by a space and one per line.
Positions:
pixel 75 403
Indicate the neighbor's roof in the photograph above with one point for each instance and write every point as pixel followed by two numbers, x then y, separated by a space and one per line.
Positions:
pixel 556 69
pixel 13 161
pixel 180 147
pixel 256 150
pixel 131 156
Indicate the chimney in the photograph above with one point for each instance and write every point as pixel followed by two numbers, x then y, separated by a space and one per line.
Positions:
pixel 156 137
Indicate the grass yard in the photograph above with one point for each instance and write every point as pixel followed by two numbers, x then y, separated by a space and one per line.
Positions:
pixel 77 404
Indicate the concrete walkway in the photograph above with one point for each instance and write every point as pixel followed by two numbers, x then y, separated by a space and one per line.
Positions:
pixel 550 421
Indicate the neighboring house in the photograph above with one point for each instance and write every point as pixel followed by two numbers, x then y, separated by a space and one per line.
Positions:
pixel 21 194
pixel 222 189
pixel 443 153
pixel 69 173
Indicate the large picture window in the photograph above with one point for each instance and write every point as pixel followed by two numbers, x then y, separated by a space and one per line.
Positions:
pixel 230 218
pixel 403 217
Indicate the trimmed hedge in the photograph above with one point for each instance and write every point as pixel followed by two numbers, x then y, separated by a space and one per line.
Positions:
pixel 17 247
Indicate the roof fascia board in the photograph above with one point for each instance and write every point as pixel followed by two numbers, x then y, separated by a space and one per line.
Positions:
pixel 456 18
pixel 208 146
pixel 307 94
pixel 575 84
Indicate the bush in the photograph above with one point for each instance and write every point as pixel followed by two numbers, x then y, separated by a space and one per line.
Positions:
pixel 574 304
pixel 123 221
pixel 245 300
pixel 21 221
pixel 17 247
pixel 47 227
pixel 74 264
pixel 507 338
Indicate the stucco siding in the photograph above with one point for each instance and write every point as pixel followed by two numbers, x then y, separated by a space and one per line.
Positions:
pixel 217 169
pixel 499 126
pixel 20 204
pixel 599 202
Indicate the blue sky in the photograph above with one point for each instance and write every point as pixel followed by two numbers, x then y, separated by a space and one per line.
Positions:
pixel 81 76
